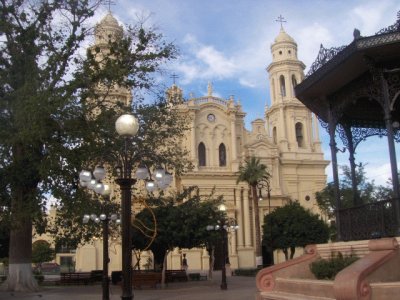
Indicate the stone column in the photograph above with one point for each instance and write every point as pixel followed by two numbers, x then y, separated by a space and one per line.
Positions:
pixel 238 202
pixel 246 217
pixel 233 140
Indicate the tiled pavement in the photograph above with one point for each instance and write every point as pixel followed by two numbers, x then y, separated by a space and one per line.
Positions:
pixel 239 288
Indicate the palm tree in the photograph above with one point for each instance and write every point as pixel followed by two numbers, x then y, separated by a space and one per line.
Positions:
pixel 254 172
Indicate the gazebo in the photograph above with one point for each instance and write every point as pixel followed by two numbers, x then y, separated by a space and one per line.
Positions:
pixel 355 92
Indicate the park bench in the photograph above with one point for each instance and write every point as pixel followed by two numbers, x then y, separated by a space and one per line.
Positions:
pixel 178 275
pixel 150 279
pixel 76 278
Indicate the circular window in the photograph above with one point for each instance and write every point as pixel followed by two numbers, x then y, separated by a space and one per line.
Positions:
pixel 211 118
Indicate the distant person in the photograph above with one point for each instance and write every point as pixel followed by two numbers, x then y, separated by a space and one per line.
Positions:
pixel 184 263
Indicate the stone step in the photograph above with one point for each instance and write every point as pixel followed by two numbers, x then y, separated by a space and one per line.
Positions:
pixel 306 287
pixel 288 296
pixel 385 290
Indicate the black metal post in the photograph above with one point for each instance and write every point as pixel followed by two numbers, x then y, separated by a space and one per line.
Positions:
pixel 106 260
pixel 224 285
pixel 125 186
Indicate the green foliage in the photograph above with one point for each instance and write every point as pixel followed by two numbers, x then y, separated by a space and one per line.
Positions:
pixel 42 252
pixel 176 224
pixel 46 134
pixel 367 191
pixel 253 172
pixel 251 272
pixel 292 226
pixel 328 268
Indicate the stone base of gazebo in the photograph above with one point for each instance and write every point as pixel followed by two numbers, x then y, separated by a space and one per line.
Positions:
pixel 376 275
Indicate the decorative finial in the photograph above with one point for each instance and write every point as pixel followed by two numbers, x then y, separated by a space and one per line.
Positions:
pixel 209 89
pixel 281 20
pixel 108 3
pixel 174 77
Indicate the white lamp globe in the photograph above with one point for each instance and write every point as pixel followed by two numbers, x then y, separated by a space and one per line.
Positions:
pixel 150 186
pixel 85 176
pixel 103 217
pixel 98 188
pixel 106 190
pixel 99 173
pixel 127 125
pixel 142 172
pixel 222 207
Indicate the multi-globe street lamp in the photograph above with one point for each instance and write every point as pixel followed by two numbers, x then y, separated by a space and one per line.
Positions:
pixel 126 160
pixel 94 183
pixel 224 226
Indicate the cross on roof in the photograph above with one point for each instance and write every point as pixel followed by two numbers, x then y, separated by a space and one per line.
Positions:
pixel 108 3
pixel 174 77
pixel 281 20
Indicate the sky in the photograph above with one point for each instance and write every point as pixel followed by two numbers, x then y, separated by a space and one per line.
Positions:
pixel 227 43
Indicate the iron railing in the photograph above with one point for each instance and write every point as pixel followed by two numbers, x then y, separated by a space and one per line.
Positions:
pixel 368 221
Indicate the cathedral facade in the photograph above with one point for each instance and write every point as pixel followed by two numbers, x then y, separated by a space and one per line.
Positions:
pixel 286 140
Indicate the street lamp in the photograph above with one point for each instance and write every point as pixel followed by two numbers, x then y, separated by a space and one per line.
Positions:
pixel 127 127
pixel 260 185
pixel 94 183
pixel 225 225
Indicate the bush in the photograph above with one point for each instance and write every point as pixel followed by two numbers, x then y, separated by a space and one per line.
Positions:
pixel 328 268
pixel 246 272
pixel 39 278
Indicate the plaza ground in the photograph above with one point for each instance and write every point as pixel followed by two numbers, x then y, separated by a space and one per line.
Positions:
pixel 239 288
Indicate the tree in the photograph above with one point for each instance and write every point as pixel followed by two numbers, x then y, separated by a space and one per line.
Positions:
pixel 171 224
pixel 367 191
pixel 292 226
pixel 42 252
pixel 47 92
pixel 254 172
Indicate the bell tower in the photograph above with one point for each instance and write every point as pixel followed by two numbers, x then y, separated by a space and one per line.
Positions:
pixel 292 126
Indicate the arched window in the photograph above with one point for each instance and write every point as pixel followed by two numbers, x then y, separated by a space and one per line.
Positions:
pixel 299 134
pixel 294 83
pixel 282 85
pixel 222 155
pixel 202 154
pixel 274 136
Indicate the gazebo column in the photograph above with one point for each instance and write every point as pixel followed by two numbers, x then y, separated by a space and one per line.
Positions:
pixel 392 151
pixel 332 143
pixel 350 146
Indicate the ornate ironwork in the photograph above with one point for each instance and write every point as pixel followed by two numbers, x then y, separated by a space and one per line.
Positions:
pixel 324 55
pixel 373 220
pixel 359 134
pixel 392 28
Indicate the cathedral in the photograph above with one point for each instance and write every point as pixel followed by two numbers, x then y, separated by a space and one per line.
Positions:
pixel 286 140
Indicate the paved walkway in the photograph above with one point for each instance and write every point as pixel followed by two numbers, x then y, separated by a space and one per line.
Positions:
pixel 239 288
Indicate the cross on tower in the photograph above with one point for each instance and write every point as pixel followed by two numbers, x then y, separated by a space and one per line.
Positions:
pixel 108 3
pixel 281 20
pixel 174 77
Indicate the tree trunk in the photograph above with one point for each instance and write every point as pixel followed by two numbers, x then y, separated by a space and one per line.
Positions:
pixel 20 277
pixel 285 251
pixel 163 270
pixel 211 262
pixel 292 251
pixel 257 223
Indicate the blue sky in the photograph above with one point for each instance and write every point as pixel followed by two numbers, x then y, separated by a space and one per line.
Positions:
pixel 227 42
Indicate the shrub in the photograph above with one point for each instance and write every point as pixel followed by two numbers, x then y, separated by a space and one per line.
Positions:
pixel 246 272
pixel 328 268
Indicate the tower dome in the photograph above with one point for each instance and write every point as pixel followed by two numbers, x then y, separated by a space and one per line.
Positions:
pixel 284 47
pixel 284 37
pixel 108 29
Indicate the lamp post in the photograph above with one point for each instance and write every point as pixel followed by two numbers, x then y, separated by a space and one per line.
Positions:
pixel 260 185
pixel 225 225
pixel 106 259
pixel 127 127
pixel 94 183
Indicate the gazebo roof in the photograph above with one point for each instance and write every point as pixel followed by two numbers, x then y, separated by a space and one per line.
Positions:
pixel 339 69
